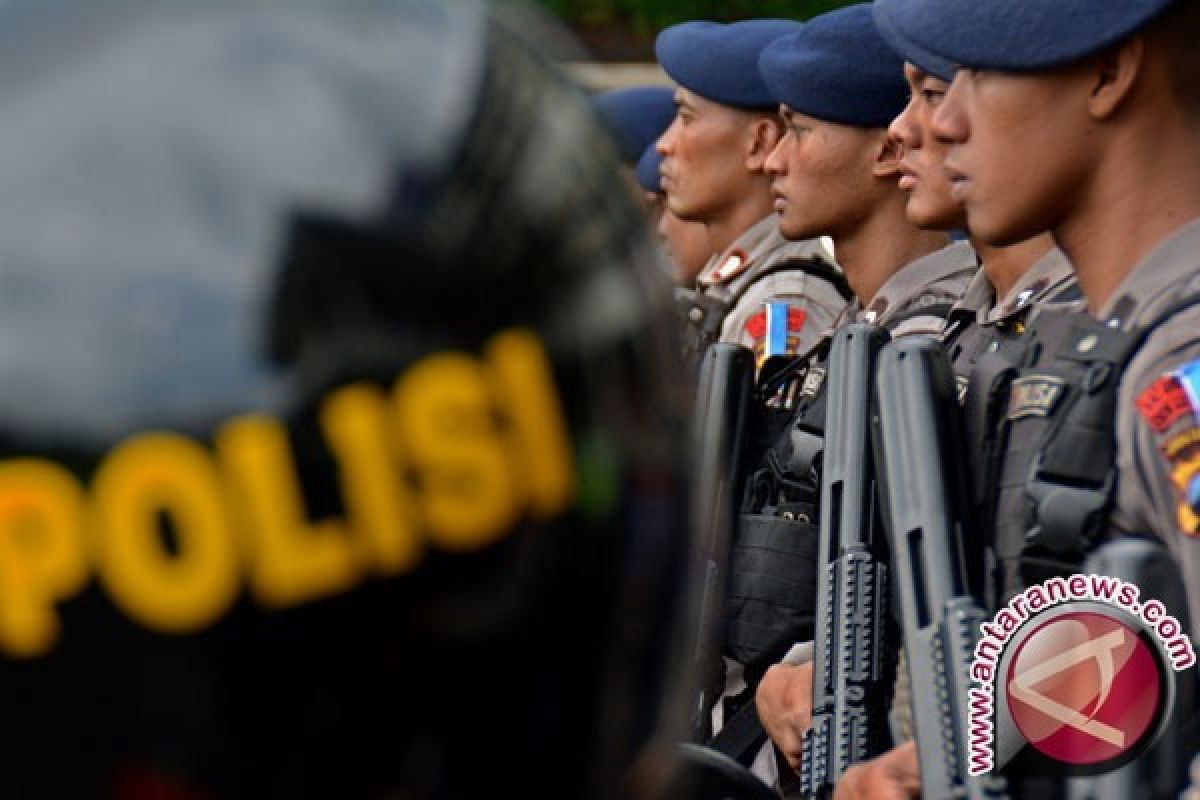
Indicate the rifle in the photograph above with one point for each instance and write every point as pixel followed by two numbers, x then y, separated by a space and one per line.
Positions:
pixel 723 400
pixel 852 663
pixel 917 430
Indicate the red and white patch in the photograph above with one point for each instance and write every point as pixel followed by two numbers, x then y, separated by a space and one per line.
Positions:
pixel 1164 403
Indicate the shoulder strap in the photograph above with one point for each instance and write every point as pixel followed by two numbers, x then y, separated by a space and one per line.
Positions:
pixel 935 309
pixel 742 735
pixel 1141 333
pixel 810 265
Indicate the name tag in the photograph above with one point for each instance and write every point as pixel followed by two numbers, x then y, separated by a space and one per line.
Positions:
pixel 1034 396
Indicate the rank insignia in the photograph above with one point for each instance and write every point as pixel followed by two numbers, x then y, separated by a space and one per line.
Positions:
pixel 733 265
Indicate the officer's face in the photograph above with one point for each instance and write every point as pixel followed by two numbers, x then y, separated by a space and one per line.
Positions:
pixel 703 169
pixel 1020 146
pixel 931 203
pixel 686 244
pixel 822 176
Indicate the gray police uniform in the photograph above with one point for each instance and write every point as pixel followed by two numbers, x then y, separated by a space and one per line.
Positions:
pixel 771 599
pixel 1158 406
pixel 1047 281
pixel 1134 367
pixel 982 326
pixel 917 298
pixel 761 276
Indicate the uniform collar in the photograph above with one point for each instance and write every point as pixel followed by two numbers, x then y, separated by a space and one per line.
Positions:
pixel 757 243
pixel 911 281
pixel 1151 285
pixel 1048 274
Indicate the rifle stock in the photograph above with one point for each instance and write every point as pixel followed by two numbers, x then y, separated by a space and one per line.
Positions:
pixel 726 382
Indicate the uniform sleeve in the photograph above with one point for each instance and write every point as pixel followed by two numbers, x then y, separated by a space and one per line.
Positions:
pixel 787 311
pixel 1158 445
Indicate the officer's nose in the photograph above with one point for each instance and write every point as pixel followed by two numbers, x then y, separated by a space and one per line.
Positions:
pixel 949 122
pixel 776 163
pixel 666 143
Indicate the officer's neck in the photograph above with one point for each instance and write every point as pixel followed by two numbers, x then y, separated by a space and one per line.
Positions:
pixel 879 246
pixel 749 210
pixel 1144 188
pixel 1004 266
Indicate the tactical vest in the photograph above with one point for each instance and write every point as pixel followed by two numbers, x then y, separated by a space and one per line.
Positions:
pixel 983 358
pixel 703 310
pixel 1049 448
pixel 772 575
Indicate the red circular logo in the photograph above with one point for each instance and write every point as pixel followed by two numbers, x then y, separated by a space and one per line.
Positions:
pixel 1084 688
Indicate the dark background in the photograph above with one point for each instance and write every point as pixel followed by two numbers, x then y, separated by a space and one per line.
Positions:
pixel 624 30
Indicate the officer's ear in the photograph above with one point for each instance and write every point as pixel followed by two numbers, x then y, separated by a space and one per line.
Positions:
pixel 762 135
pixel 888 152
pixel 1113 74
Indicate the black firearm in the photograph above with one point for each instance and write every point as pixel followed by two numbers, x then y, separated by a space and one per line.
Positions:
pixel 917 431
pixel 726 383
pixel 853 667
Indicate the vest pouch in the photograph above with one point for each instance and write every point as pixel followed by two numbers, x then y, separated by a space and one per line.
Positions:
pixel 772 585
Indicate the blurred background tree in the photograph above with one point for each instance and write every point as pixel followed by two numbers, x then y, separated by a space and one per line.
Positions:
pixel 624 30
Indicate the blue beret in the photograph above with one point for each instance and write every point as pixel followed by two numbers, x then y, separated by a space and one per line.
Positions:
pixel 720 62
pixel 647 170
pixel 838 68
pixel 908 50
pixel 1017 35
pixel 637 117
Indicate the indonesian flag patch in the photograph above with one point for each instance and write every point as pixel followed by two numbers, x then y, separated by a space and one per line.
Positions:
pixel 775 331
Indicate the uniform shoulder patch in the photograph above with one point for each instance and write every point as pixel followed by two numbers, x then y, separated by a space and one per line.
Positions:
pixel 1171 407
pixel 776 329
pixel 1165 402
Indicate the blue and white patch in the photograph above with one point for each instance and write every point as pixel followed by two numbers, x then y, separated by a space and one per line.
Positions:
pixel 1189 377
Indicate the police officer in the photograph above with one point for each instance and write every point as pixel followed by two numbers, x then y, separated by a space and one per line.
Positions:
pixel 1132 262
pixel 758 289
pixel 835 174
pixel 638 116
pixel 1013 284
pixel 1100 110
pixel 339 455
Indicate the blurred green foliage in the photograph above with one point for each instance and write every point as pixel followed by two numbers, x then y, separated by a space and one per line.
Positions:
pixel 649 16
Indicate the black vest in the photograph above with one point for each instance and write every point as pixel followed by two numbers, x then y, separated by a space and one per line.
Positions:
pixel 772 575
pixel 1049 445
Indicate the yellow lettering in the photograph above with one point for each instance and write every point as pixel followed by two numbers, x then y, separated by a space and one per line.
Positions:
pixel 149 481
pixel 447 423
pixel 42 559
pixel 377 498
pixel 293 560
pixel 525 384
